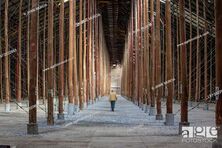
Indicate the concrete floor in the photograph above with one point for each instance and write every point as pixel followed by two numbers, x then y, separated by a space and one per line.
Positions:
pixel 98 127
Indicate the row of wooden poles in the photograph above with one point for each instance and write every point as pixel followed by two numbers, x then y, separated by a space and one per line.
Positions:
pixel 142 76
pixel 86 72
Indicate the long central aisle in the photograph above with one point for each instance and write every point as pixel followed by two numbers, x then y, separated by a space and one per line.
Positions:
pixel 98 127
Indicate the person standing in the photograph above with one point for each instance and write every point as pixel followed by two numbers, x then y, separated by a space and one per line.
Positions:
pixel 112 99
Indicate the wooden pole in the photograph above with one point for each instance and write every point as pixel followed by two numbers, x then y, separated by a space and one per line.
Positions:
pixel 75 78
pixel 132 52
pixel 84 56
pixel 136 55
pixel 90 53
pixel 50 96
pixel 7 68
pixel 140 55
pixel 93 54
pixel 145 23
pixel 61 59
pixel 218 5
pixel 147 37
pixel 97 54
pixel 1 88
pixel 80 58
pixel 32 127
pixel 190 56
pixel 70 64
pixel 169 66
pixel 28 49
pixel 205 57
pixel 159 115
pixel 87 56
pixel 183 63
pixel 37 77
pixel 152 59
pixel 197 93
pixel 179 89
pixel 19 74
pixel 101 55
pixel 44 60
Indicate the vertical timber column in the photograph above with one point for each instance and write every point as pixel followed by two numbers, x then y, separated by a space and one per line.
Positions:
pixel 93 53
pixel 169 66
pixel 75 78
pixel 205 58
pixel 90 51
pixel 70 64
pixel 136 54
pixel 183 63
pixel 218 4
pixel 32 127
pixel 159 115
pixel 37 79
pixel 197 92
pixel 84 57
pixel 130 56
pixel 147 38
pixel 50 92
pixel 140 55
pixel 179 89
pixel 101 55
pixel 132 51
pixel 97 54
pixel 87 54
pixel 44 60
pixel 18 70
pixel 61 59
pixel 190 57
pixel 80 58
pixel 1 91
pixel 152 59
pixel 28 49
pixel 144 56
pixel 7 68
